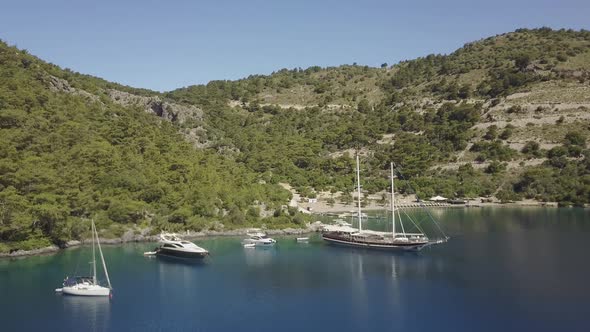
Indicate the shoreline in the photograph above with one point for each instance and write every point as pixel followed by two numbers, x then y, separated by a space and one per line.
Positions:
pixel 335 210
pixel 140 238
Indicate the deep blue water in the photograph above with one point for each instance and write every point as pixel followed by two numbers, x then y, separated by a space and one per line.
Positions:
pixel 503 270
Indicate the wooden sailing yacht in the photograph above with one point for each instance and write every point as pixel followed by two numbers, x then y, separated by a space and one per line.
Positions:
pixel 346 235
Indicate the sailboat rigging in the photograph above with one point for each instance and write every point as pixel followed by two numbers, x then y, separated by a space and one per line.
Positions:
pixel 346 235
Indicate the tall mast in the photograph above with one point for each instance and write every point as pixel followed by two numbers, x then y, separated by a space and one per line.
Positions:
pixel 93 255
pixel 392 205
pixel 358 185
pixel 104 266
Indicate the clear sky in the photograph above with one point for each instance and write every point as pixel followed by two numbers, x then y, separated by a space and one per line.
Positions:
pixel 163 45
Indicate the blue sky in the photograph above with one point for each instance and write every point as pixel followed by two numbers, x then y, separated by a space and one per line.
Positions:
pixel 163 45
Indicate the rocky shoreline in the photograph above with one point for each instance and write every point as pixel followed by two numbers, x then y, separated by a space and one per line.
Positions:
pixel 130 237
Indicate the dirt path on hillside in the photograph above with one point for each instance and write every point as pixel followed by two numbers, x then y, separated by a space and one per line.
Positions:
pixel 481 165
pixel 545 119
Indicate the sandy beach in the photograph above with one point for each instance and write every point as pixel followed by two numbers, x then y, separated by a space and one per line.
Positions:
pixel 320 204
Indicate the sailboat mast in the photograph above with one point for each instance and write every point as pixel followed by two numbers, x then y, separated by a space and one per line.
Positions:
pixel 104 265
pixel 392 205
pixel 358 185
pixel 93 255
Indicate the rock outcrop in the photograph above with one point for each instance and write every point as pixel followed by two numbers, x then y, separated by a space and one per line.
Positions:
pixel 173 112
pixel 170 111
pixel 57 84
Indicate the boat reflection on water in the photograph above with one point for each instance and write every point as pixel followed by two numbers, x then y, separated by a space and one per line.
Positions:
pixel 365 267
pixel 94 312
pixel 175 271
pixel 167 260
pixel 260 256
pixel 364 263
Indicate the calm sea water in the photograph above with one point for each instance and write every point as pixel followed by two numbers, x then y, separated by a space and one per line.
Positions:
pixel 503 270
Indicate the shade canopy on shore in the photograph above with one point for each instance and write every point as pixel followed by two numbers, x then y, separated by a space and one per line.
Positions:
pixel 438 198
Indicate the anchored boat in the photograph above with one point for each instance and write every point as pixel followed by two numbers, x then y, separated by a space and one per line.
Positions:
pixel 174 246
pixel 88 285
pixel 258 238
pixel 347 235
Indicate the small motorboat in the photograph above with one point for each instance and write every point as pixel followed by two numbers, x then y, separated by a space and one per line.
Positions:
pixel 302 239
pixel 259 239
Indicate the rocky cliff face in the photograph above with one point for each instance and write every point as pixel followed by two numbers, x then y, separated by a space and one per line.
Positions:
pixel 172 112
pixel 169 111
pixel 57 84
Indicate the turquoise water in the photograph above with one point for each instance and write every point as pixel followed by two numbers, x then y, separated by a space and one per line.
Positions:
pixel 503 270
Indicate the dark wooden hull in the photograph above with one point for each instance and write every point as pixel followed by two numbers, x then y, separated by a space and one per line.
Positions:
pixel 335 238
pixel 180 254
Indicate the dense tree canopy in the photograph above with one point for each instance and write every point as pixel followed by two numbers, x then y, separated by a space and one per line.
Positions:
pixel 65 158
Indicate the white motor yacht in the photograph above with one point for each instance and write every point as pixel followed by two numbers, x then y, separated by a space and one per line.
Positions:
pixel 172 245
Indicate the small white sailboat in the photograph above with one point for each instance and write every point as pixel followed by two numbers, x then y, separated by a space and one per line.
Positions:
pixel 88 285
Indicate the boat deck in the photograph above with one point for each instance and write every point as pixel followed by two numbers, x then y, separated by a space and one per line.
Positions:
pixel 377 238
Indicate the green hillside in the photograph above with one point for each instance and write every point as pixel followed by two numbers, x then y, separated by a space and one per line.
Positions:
pixel 492 118
pixel 504 117
pixel 68 157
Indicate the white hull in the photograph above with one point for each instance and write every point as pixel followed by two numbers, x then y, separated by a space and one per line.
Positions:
pixel 86 290
pixel 259 242
pixel 182 252
pixel 259 239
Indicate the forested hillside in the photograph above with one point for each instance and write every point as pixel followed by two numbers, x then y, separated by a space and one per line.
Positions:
pixel 69 157
pixel 505 117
